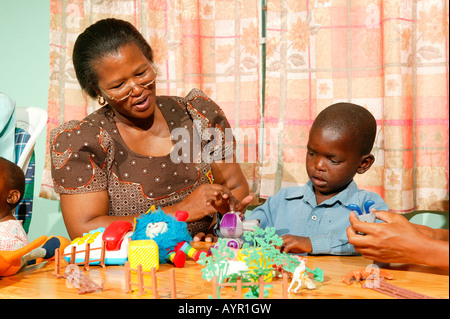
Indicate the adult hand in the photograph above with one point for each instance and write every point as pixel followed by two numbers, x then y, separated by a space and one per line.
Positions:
pixel 201 202
pixel 394 241
pixel 211 198
pixel 234 205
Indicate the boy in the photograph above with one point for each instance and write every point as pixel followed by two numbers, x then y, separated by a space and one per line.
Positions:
pixel 12 186
pixel 313 218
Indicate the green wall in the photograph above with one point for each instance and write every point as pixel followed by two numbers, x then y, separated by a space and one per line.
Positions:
pixel 24 76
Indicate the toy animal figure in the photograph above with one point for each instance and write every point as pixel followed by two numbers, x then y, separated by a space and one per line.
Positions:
pixel 170 233
pixel 366 273
pixel 301 277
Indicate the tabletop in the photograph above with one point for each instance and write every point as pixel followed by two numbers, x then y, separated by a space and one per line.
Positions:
pixel 40 282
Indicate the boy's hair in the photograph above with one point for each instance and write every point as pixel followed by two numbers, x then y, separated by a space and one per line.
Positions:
pixel 350 119
pixel 15 178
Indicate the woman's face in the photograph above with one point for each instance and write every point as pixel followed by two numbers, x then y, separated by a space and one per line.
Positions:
pixel 120 72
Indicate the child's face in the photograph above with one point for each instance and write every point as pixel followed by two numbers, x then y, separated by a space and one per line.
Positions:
pixel 332 161
pixel 4 192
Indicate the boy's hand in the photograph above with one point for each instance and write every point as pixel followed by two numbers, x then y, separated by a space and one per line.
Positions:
pixel 296 244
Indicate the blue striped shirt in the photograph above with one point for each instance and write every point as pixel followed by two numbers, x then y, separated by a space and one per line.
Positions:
pixel 294 211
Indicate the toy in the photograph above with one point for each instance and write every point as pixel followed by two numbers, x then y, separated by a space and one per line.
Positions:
pixel 170 233
pixel 260 253
pixel 365 273
pixel 116 237
pixel 366 216
pixel 47 251
pixel 115 233
pixel 395 291
pixel 301 277
pixel 12 261
pixel 79 280
pixel 144 253
pixel 232 226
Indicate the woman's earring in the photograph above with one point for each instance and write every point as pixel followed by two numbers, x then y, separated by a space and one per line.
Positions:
pixel 101 100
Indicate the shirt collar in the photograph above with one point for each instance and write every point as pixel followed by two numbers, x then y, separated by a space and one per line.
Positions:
pixel 307 193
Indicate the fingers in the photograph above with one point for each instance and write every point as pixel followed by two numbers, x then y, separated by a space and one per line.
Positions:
pixel 222 196
pixel 199 237
pixel 216 192
pixel 383 215
pixel 358 226
pixel 241 205
pixel 295 244
pixel 208 238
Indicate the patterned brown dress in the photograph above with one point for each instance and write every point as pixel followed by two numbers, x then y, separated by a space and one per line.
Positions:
pixel 90 155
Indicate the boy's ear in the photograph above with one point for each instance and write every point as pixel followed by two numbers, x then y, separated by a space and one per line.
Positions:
pixel 366 163
pixel 13 197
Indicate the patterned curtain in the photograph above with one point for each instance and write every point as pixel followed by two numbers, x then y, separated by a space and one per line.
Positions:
pixel 209 45
pixel 389 56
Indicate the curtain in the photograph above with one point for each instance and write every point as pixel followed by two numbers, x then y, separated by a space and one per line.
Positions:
pixel 273 72
pixel 209 45
pixel 388 56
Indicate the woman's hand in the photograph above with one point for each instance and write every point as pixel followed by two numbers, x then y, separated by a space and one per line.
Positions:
pixel 396 241
pixel 203 201
pixel 391 241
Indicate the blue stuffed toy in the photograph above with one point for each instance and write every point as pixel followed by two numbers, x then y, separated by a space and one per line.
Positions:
pixel 170 234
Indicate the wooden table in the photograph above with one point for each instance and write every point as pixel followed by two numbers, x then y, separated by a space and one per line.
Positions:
pixel 39 282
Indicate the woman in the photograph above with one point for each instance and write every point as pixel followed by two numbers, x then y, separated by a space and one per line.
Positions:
pixel 139 149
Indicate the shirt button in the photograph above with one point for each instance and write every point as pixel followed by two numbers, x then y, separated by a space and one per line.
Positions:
pixel 314 217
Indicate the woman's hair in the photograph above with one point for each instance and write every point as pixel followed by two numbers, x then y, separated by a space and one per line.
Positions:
pixel 103 38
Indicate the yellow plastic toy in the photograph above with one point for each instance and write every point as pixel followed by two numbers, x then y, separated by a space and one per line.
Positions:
pixel 242 255
pixel 144 252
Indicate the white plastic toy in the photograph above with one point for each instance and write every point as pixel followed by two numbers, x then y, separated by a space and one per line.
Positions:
pixel 232 226
pixel 301 277
pixel 116 237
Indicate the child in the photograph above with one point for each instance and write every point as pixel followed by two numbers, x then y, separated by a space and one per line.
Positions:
pixel 314 218
pixel 12 186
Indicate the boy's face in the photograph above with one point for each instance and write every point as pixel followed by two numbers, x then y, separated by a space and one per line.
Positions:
pixel 332 160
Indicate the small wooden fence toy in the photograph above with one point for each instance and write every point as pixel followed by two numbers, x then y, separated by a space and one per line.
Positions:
pixel 152 273
pixel 395 291
pixel 261 283
pixel 86 261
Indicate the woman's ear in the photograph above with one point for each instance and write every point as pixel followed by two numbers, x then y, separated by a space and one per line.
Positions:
pixel 13 197
pixel 366 163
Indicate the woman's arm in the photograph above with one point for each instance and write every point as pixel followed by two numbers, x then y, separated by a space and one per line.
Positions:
pixel 85 212
pixel 229 191
pixel 436 233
